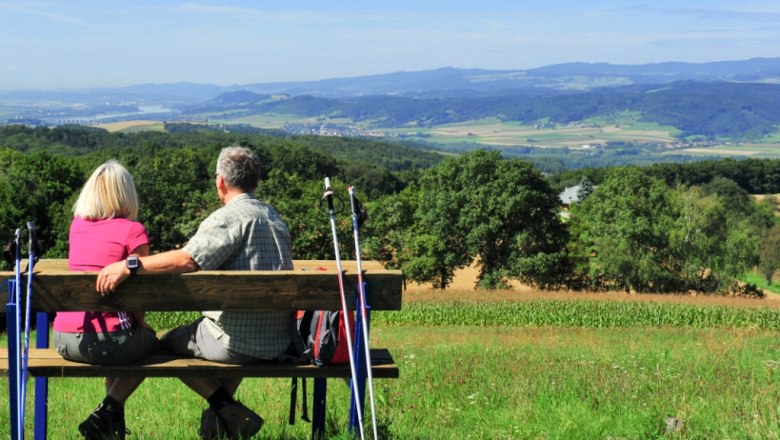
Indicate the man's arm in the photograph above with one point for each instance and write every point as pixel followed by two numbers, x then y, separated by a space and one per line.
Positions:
pixel 139 315
pixel 176 261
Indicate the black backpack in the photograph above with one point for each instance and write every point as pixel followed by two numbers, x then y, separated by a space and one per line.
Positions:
pixel 319 338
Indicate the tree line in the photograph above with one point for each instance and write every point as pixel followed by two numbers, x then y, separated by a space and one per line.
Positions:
pixel 665 228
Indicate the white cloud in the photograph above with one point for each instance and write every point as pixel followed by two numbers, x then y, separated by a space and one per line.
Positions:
pixel 717 14
pixel 24 9
pixel 222 10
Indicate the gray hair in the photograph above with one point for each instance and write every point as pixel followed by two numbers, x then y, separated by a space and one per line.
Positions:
pixel 240 167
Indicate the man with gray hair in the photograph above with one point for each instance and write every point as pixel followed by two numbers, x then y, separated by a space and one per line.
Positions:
pixel 244 234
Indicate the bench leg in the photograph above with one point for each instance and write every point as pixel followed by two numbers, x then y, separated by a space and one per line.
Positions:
pixel 41 383
pixel 318 408
pixel 12 323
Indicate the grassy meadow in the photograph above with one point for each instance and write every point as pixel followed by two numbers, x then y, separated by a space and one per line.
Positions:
pixel 519 365
pixel 492 131
pixel 749 149
pixel 495 133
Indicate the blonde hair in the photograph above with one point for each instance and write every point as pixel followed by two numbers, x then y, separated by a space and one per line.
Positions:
pixel 109 193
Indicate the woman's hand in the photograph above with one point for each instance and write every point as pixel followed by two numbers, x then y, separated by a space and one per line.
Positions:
pixel 111 276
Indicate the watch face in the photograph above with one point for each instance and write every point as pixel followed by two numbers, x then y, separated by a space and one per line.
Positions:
pixel 132 262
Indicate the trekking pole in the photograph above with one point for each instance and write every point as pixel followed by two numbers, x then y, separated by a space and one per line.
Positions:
pixel 18 264
pixel 14 354
pixel 30 266
pixel 328 195
pixel 358 216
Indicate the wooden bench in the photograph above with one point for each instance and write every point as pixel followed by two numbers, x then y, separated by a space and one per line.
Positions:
pixel 312 285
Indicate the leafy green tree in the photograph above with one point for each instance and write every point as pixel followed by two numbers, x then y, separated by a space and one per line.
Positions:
pixel 36 187
pixel 746 231
pixel 511 220
pixel 479 206
pixel 306 163
pixel 298 202
pixel 623 227
pixel 769 254
pixel 699 237
pixel 166 183
pixel 384 235
pixel 435 244
pixel 585 189
pixel 744 243
pixel 734 196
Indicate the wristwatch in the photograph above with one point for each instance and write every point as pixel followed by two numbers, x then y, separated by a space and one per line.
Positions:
pixel 133 264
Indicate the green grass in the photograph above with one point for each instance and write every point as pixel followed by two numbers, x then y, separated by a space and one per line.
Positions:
pixel 536 369
pixel 760 281
pixel 460 382
pixel 581 313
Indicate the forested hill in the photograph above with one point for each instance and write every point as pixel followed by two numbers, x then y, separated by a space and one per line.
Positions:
pixel 756 69
pixel 709 109
pixel 450 81
pixel 654 229
pixel 79 140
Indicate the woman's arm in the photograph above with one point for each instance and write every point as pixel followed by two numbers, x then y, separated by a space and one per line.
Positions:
pixel 175 261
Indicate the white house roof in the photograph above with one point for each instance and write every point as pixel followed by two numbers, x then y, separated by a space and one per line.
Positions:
pixel 569 195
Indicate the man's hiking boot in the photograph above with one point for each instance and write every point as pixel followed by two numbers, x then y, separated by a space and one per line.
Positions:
pixel 240 421
pixel 103 425
pixel 211 427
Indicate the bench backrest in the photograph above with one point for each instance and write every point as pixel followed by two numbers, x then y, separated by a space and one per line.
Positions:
pixel 312 285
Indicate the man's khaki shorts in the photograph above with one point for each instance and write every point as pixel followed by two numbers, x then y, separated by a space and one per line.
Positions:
pixel 195 340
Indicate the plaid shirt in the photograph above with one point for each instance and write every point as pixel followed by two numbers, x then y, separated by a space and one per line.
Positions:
pixel 246 234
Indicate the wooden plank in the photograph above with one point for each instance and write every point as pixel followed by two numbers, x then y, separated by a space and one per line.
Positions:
pixel 215 290
pixel 10 273
pixel 56 264
pixel 313 285
pixel 46 362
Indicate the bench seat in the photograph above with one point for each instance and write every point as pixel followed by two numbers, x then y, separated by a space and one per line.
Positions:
pixel 46 362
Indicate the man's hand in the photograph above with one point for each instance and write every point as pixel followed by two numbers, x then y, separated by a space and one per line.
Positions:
pixel 111 276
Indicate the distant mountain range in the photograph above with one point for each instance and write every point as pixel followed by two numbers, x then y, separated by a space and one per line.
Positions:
pixel 734 100
pixel 444 82
pixel 451 81
pixel 710 109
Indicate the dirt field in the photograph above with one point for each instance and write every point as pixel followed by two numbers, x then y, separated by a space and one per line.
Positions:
pixel 462 288
pixel 722 152
pixel 498 133
pixel 124 125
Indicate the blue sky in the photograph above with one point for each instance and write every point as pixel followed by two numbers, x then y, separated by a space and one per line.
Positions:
pixel 83 44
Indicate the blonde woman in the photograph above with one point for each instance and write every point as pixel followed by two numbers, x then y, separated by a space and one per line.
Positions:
pixel 104 231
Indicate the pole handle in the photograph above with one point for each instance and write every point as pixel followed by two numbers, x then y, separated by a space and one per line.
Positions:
pixel 328 195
